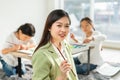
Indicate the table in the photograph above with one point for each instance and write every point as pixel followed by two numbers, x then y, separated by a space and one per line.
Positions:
pixel 81 48
pixel 21 55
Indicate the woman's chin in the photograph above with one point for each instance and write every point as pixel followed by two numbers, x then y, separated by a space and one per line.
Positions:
pixel 62 39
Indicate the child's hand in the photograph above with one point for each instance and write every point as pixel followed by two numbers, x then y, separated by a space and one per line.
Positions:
pixel 72 36
pixel 88 40
pixel 16 47
pixel 23 47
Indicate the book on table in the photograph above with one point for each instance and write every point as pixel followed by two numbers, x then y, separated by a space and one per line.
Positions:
pixel 29 51
pixel 77 48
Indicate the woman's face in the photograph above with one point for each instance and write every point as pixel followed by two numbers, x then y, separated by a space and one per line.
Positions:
pixel 86 27
pixel 60 29
pixel 23 37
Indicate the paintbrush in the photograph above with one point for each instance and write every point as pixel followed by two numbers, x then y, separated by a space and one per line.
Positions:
pixel 65 59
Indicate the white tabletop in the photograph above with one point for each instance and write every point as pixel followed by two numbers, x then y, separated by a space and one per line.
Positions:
pixel 22 55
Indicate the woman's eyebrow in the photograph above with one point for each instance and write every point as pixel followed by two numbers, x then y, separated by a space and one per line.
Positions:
pixel 58 22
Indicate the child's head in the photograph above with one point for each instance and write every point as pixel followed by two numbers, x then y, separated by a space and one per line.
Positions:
pixel 86 24
pixel 26 31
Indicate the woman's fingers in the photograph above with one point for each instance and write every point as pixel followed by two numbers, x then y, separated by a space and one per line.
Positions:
pixel 65 67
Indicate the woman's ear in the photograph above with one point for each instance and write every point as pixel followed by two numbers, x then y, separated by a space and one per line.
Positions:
pixel 49 29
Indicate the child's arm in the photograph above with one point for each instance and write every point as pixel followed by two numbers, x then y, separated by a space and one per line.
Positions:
pixel 30 44
pixel 25 47
pixel 11 49
pixel 88 40
pixel 73 37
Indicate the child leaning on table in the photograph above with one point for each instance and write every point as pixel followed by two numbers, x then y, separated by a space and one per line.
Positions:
pixel 90 37
pixel 18 40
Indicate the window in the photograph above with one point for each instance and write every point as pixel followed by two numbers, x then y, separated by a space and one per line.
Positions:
pixel 104 13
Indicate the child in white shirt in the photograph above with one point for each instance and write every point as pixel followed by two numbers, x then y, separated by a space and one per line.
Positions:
pixel 91 37
pixel 18 40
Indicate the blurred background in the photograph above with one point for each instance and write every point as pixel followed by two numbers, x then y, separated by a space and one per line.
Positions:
pixel 104 13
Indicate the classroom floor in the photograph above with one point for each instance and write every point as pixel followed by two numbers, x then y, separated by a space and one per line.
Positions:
pixel 112 55
pixel 108 55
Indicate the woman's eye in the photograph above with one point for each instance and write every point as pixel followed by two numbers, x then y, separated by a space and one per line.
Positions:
pixel 66 26
pixel 59 25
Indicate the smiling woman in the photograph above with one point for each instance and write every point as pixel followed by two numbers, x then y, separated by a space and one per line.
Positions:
pixel 57 62
pixel 59 32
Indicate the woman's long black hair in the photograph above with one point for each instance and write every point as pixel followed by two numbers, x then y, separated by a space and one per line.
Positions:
pixel 52 17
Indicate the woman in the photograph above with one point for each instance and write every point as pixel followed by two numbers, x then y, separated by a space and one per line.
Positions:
pixel 18 40
pixel 52 59
pixel 90 37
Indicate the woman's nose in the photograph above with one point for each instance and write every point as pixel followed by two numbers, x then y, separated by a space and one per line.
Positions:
pixel 63 29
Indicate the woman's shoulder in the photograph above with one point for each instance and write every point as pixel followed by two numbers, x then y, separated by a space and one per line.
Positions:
pixel 39 54
pixel 42 50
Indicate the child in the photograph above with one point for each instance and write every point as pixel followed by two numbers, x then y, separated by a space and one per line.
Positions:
pixel 90 37
pixel 18 40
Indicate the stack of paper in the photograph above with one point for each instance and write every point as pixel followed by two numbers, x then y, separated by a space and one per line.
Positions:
pixel 108 70
pixel 29 51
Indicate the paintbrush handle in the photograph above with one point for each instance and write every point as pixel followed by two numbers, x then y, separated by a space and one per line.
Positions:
pixel 65 59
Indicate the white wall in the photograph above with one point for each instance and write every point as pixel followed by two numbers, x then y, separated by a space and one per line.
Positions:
pixel 13 13
pixel 112 44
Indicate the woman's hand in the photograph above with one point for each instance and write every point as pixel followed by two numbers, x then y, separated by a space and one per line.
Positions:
pixel 65 67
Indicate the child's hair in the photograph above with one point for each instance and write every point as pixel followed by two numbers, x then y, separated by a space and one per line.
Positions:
pixel 27 29
pixel 88 20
